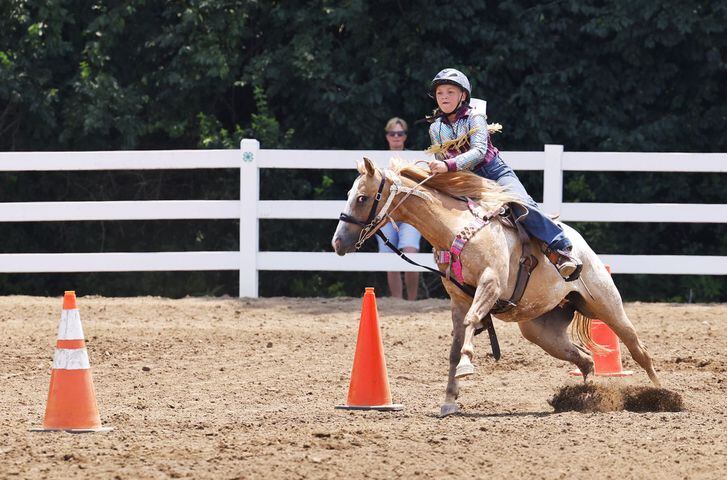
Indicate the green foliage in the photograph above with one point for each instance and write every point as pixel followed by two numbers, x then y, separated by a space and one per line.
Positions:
pixel 623 75
pixel 263 127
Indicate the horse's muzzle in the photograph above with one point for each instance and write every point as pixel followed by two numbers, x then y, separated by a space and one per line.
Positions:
pixel 336 244
pixel 343 240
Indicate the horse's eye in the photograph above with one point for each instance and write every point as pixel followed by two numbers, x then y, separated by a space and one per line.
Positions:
pixel 362 198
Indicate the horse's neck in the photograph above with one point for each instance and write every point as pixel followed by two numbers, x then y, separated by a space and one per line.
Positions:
pixel 438 220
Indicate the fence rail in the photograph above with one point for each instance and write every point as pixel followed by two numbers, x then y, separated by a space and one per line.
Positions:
pixel 249 209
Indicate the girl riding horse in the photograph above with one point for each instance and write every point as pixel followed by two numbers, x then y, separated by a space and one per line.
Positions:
pixel 461 141
pixel 549 305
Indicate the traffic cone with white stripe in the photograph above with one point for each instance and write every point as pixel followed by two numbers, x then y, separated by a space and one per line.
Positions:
pixel 71 403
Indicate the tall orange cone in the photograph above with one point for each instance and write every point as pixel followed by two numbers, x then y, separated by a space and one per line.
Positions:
pixel 71 403
pixel 608 363
pixel 369 388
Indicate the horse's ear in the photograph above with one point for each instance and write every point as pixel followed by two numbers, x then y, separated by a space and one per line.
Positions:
pixel 370 167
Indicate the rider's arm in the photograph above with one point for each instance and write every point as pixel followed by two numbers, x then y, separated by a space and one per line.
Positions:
pixel 433 128
pixel 478 146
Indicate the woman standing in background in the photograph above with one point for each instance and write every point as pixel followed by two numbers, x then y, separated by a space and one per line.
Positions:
pixel 407 238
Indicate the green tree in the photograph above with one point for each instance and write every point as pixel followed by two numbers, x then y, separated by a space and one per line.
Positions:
pixel 148 74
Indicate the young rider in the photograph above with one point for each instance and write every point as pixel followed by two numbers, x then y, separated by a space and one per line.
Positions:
pixel 459 136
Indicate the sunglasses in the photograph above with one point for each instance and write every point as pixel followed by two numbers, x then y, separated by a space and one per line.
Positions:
pixel 399 133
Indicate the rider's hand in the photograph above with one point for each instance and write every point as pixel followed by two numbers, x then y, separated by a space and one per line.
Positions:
pixel 438 166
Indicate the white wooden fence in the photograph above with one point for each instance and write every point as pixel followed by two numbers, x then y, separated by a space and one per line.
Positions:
pixel 553 161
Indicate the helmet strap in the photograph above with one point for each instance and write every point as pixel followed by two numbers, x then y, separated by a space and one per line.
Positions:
pixel 462 99
pixel 459 105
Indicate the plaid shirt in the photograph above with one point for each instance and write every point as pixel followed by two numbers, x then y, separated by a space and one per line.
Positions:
pixel 478 150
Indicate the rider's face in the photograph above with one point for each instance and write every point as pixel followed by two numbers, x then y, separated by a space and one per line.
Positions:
pixel 448 97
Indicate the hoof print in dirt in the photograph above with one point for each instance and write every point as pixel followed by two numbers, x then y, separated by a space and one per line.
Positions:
pixel 649 399
pixel 587 398
pixel 590 398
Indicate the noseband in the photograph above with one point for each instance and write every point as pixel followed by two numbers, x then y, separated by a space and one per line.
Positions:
pixel 371 222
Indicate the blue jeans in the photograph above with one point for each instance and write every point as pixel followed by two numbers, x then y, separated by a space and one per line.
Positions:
pixel 536 222
pixel 407 236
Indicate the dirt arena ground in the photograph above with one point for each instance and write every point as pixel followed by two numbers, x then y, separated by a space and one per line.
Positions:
pixel 246 389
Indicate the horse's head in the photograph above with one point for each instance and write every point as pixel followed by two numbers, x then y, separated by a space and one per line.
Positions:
pixel 357 222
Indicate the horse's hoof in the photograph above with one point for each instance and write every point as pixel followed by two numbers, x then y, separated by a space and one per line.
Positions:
pixel 448 409
pixel 586 371
pixel 464 370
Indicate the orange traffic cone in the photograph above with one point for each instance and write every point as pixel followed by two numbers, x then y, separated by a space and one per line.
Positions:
pixel 369 388
pixel 71 398
pixel 608 363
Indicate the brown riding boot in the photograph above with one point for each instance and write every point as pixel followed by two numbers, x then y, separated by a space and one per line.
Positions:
pixel 567 265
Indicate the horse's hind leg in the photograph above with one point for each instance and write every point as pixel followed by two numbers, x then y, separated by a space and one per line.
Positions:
pixel 550 332
pixel 619 322
pixel 608 308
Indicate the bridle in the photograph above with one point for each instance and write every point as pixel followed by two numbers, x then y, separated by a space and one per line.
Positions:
pixel 375 221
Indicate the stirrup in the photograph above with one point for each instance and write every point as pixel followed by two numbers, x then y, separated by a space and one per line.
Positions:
pixel 568 266
pixel 569 269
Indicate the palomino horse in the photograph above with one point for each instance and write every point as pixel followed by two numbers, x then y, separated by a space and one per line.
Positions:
pixel 489 262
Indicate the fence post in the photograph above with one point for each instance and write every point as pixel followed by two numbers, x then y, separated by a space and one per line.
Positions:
pixel 553 179
pixel 249 196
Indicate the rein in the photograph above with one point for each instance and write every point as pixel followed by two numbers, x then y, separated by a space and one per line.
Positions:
pixel 375 221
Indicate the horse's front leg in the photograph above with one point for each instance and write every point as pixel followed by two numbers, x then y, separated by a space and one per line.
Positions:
pixel 488 290
pixel 459 309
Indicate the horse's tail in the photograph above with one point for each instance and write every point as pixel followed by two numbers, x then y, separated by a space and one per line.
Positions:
pixel 581 331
